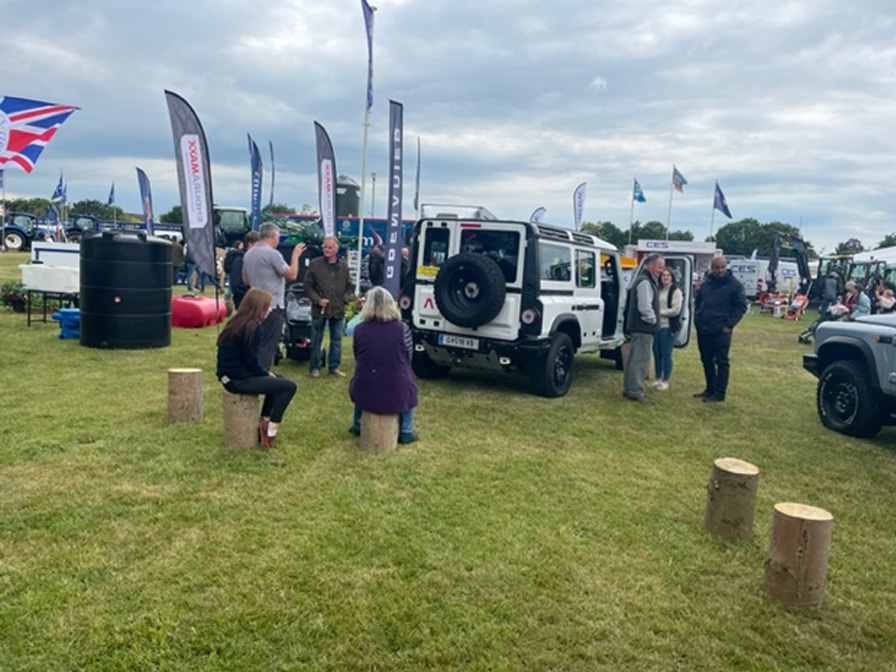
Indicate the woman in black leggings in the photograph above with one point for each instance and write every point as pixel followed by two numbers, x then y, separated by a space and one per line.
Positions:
pixel 238 367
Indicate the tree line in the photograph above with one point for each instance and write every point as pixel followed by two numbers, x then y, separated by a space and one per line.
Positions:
pixel 741 238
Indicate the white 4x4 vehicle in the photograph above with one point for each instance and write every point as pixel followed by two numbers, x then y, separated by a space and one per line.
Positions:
pixel 512 297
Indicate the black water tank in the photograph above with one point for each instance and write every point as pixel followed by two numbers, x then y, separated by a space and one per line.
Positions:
pixel 348 197
pixel 125 290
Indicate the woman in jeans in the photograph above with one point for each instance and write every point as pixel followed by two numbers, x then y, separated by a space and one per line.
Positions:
pixel 670 308
pixel 382 381
pixel 240 371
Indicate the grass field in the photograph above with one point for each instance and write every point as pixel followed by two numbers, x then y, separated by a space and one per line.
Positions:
pixel 520 533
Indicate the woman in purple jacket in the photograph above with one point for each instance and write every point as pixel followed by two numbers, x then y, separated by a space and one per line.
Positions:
pixel 382 381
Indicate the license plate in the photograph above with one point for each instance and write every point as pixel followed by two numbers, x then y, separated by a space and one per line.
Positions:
pixel 459 341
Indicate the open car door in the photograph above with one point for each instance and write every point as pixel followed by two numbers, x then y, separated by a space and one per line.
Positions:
pixel 682 267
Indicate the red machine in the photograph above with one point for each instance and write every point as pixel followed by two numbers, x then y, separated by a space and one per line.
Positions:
pixel 190 310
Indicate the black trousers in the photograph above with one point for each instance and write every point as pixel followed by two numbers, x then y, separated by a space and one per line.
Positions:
pixel 278 392
pixel 714 357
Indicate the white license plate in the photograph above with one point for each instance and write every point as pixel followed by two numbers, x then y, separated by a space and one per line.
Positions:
pixel 459 341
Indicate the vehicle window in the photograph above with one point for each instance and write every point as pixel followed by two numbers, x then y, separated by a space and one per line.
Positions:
pixel 26 223
pixel 435 249
pixel 584 269
pixel 555 262
pixel 232 222
pixel 501 246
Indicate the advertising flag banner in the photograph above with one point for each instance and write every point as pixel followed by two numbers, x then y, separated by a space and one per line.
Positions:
pixel 537 214
pixel 368 28
pixel 326 178
pixel 271 146
pixel 146 202
pixel 256 168
pixel 111 199
pixel 392 249
pixel 720 203
pixel 195 182
pixel 638 193
pixel 678 180
pixel 578 205
pixel 26 127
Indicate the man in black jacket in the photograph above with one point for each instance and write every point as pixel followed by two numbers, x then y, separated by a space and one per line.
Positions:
pixel 720 304
pixel 238 285
pixel 376 266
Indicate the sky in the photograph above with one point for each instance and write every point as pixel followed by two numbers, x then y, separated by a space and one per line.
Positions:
pixel 788 104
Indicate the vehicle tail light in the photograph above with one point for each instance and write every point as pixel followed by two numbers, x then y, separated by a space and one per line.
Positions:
pixel 529 316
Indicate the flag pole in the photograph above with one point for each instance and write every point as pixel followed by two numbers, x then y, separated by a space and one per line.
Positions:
pixel 631 220
pixel 367 105
pixel 3 220
pixel 271 146
pixel 361 199
pixel 712 213
pixel 671 191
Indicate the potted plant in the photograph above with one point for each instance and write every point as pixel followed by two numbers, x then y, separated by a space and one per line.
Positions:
pixel 12 294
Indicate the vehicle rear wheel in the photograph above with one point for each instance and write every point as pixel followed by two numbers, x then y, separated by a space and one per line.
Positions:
pixel 470 289
pixel 619 359
pixel 552 375
pixel 424 367
pixel 15 241
pixel 846 402
pixel 74 236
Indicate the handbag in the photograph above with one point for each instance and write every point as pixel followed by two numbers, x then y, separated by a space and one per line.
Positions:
pixel 674 320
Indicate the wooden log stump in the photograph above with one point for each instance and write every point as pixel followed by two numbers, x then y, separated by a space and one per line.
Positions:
pixel 796 563
pixel 731 499
pixel 240 419
pixel 185 395
pixel 379 433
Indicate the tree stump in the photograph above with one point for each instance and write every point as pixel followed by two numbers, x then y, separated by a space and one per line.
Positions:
pixel 240 419
pixel 796 563
pixel 379 433
pixel 185 395
pixel 731 499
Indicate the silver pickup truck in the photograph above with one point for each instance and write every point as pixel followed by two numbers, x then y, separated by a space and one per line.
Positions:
pixel 855 363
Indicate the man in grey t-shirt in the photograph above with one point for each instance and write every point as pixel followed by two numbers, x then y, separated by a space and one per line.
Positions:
pixel 264 267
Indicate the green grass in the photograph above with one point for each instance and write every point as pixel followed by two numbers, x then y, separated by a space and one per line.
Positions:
pixel 520 533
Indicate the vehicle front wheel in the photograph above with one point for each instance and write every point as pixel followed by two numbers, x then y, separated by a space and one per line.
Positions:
pixel 846 401
pixel 552 375
pixel 15 241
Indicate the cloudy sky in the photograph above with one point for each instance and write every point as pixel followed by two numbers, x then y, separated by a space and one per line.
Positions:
pixel 789 104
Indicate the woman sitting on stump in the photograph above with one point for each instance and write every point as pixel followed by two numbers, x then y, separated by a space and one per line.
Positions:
pixel 382 382
pixel 238 367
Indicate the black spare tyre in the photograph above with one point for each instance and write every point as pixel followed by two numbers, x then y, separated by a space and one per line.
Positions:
pixel 470 290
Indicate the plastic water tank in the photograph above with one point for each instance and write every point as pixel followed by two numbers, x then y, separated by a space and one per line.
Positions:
pixel 125 297
pixel 348 197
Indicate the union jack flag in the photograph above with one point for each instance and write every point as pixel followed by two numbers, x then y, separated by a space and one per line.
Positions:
pixel 26 126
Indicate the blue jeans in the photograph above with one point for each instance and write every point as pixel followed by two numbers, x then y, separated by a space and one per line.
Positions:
pixel 662 353
pixel 334 355
pixel 405 420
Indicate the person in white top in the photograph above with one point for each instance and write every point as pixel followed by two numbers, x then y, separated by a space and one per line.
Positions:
pixel 669 325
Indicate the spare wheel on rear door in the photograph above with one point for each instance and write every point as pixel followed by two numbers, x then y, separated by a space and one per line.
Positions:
pixel 470 290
